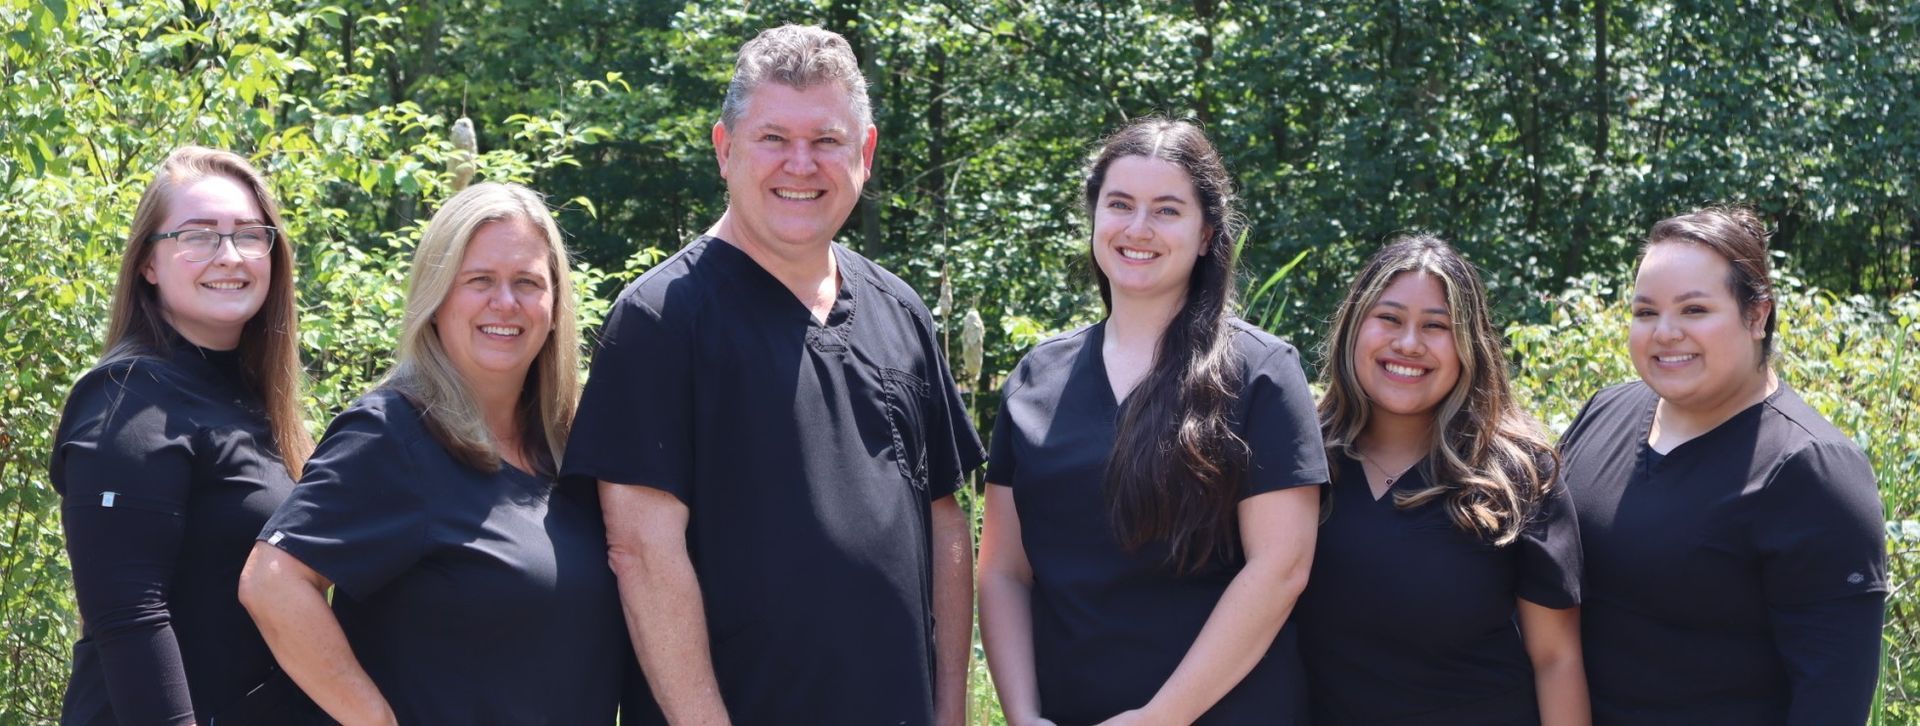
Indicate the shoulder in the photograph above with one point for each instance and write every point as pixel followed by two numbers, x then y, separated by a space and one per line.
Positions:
pixel 120 387
pixel 384 413
pixel 1810 446
pixel 1049 363
pixel 1258 349
pixel 885 282
pixel 1615 403
pixel 675 287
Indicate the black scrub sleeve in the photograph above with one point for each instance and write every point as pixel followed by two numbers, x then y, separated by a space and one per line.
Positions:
pixel 125 475
pixel 635 421
pixel 1823 567
pixel 1819 530
pixel 1832 653
pixel 1550 556
pixel 952 446
pixel 1001 464
pixel 1281 427
pixel 360 515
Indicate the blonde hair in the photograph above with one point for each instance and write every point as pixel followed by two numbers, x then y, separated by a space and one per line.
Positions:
pixel 426 376
pixel 1489 460
pixel 269 344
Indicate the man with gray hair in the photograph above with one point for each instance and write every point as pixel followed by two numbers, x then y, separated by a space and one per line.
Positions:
pixel 777 439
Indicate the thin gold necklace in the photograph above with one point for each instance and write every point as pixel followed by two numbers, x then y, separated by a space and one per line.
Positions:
pixel 1366 461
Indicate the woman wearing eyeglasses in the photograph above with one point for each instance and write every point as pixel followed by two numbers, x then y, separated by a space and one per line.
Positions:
pixel 174 450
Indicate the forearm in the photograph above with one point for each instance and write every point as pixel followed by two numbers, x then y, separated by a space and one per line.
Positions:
pixel 1006 629
pixel 1235 637
pixel 122 562
pixel 1561 687
pixel 1832 652
pixel 306 639
pixel 952 610
pixel 667 622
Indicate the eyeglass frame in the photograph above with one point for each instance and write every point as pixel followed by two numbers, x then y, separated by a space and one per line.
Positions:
pixel 225 238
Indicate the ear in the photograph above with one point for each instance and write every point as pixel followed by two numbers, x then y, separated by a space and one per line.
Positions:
pixel 867 147
pixel 146 271
pixel 1757 323
pixel 720 148
pixel 1206 235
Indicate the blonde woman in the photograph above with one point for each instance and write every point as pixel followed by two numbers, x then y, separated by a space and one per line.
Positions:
pixel 1446 579
pixel 468 588
pixel 175 448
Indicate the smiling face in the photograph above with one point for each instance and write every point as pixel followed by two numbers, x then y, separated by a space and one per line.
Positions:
pixel 1148 228
pixel 1404 353
pixel 1690 341
pixel 209 302
pixel 794 162
pixel 496 317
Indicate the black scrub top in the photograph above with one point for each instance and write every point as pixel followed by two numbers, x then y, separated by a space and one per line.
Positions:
pixel 1753 551
pixel 1110 626
pixel 808 456
pixel 1408 619
pixel 166 468
pixel 469 597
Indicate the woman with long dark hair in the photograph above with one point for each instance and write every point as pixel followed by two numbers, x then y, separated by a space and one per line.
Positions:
pixel 1447 573
pixel 1736 557
pixel 175 448
pixel 1153 484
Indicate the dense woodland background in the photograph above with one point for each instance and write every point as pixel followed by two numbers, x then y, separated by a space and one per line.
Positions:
pixel 1541 136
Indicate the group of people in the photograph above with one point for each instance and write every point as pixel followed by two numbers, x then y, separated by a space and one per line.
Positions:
pixel 748 514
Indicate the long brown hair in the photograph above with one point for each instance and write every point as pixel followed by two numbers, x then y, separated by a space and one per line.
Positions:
pixel 426 375
pixel 1488 459
pixel 1177 467
pixel 269 343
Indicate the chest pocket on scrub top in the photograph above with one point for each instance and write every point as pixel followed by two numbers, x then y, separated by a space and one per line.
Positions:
pixel 906 397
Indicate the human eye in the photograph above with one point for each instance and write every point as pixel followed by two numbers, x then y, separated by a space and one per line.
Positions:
pixel 1118 205
pixel 1388 317
pixel 1438 325
pixel 198 237
pixel 828 141
pixel 1694 309
pixel 1169 211
pixel 773 138
pixel 1643 312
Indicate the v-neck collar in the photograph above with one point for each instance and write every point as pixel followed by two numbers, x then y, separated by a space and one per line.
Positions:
pixel 1651 459
pixel 1095 358
pixel 763 281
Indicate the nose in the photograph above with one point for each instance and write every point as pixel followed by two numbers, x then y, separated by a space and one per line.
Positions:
pixel 800 158
pixel 1137 226
pixel 1666 332
pixel 1408 343
pixel 226 252
pixel 501 298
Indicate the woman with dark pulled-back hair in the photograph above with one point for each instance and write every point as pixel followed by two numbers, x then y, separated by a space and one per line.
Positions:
pixel 1734 546
pixel 1153 486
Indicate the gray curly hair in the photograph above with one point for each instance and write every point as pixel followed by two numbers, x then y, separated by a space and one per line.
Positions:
pixel 798 56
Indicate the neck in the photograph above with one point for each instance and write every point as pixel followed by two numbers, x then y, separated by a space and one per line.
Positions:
pixel 1396 439
pixel 208 339
pixel 809 271
pixel 499 405
pixel 1685 423
pixel 1136 322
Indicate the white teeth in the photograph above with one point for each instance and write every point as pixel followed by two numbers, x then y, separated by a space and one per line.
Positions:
pixel 1676 358
pixel 225 285
pixel 1400 370
pixel 798 196
pixel 1133 254
pixel 507 330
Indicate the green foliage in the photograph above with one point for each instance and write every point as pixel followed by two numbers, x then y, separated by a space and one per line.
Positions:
pixel 1542 138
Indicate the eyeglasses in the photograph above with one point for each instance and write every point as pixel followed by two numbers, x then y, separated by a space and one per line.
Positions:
pixel 202 244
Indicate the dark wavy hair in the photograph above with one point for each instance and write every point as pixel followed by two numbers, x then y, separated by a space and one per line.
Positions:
pixel 1489 461
pixel 1177 467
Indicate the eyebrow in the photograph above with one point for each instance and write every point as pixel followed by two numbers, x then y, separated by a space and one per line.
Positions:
pixel 833 130
pixel 216 223
pixel 1394 304
pixel 1161 198
pixel 1680 298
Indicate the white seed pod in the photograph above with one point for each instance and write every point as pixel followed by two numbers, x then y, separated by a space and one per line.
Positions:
pixel 973 340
